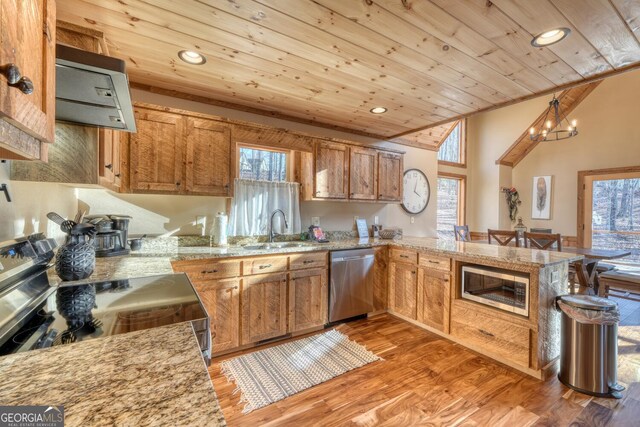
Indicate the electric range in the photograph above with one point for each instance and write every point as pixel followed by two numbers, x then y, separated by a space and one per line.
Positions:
pixel 35 315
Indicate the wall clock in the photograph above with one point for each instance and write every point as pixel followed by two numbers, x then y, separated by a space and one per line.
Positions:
pixel 415 191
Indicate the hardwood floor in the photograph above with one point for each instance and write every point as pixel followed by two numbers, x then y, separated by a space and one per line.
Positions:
pixel 428 380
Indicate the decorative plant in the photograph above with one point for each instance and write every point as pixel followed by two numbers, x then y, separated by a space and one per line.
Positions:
pixel 513 200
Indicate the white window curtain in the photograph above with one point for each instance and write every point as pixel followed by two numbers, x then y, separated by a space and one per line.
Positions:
pixel 254 201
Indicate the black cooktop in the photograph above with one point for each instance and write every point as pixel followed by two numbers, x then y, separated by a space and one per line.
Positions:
pixel 81 312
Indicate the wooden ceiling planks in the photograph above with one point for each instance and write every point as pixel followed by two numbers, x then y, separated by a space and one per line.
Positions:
pixel 569 100
pixel 428 139
pixel 327 62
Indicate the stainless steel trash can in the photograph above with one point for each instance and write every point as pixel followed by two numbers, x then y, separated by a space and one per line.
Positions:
pixel 589 345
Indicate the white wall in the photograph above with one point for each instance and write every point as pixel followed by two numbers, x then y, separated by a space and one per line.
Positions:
pixel 158 214
pixel 31 201
pixel 609 137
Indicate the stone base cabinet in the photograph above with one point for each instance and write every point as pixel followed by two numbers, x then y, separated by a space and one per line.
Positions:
pixel 251 300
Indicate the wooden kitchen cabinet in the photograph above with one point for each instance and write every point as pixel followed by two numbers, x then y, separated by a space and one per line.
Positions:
pixel 221 299
pixel 390 170
pixel 307 299
pixel 27 37
pixel 156 152
pixel 363 173
pixel 433 298
pixel 208 148
pixel 109 162
pixel 403 284
pixel 331 172
pixel 380 288
pixel 264 307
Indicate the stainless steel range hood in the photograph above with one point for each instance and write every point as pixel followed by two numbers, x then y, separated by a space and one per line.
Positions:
pixel 92 90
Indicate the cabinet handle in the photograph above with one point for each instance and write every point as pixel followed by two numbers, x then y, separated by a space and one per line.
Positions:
pixel 117 175
pixel 263 266
pixel 433 262
pixel 404 256
pixel 209 271
pixel 308 261
pixel 178 183
pixel 489 334
pixel 12 73
pixel 413 272
pixel 109 166
pixel 25 85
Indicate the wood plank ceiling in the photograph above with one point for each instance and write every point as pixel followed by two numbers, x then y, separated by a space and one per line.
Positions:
pixel 328 62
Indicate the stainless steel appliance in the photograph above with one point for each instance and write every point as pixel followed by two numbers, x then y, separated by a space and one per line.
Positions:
pixel 351 285
pixel 34 314
pixel 503 289
pixel 92 89
pixel 112 234
pixel 589 350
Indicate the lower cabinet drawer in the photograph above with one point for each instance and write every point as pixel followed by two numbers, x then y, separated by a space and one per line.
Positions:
pixel 497 336
pixel 403 255
pixel 207 269
pixel 435 262
pixel 264 265
pixel 307 260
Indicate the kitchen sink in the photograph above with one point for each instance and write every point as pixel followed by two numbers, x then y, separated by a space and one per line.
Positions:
pixel 261 246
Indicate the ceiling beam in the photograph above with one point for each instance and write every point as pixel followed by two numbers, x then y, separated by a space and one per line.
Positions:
pixel 247 109
pixel 569 100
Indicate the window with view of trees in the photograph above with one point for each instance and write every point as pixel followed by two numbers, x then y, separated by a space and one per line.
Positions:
pixel 616 216
pixel 450 210
pixel 452 149
pixel 265 165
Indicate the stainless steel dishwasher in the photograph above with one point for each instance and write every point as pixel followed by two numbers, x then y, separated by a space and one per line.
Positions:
pixel 351 285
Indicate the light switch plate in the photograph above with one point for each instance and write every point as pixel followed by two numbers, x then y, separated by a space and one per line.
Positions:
pixel 375 219
pixel 413 219
pixel 315 220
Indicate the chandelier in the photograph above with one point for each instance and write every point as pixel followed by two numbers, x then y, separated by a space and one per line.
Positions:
pixel 556 126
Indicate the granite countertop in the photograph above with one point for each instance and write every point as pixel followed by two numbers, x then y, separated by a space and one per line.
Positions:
pixel 120 267
pixel 156 259
pixel 150 377
pixel 472 250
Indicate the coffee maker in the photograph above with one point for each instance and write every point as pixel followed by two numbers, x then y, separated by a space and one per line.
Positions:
pixel 112 233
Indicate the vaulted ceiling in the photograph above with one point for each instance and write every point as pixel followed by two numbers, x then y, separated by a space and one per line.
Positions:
pixel 330 61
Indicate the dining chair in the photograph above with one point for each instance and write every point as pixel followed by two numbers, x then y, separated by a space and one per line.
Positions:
pixel 543 241
pixel 503 237
pixel 461 233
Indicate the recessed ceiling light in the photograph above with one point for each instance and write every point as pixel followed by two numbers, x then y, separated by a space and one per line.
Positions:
pixel 550 37
pixel 378 110
pixel 192 57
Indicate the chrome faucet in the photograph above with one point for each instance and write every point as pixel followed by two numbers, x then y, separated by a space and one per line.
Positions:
pixel 273 214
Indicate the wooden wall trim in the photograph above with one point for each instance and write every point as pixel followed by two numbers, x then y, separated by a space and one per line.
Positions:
pixel 260 134
pixel 582 196
pixel 569 100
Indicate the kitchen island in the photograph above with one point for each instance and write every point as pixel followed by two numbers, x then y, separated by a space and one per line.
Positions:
pixel 151 377
pixel 416 279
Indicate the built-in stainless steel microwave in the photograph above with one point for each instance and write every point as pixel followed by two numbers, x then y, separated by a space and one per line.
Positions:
pixel 508 291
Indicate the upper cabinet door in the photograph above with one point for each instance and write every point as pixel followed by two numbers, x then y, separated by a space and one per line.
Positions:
pixel 363 173
pixel 156 152
pixel 390 167
pixel 209 159
pixel 27 58
pixel 331 170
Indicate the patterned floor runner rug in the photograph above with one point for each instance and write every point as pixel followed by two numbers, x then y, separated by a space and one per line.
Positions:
pixel 269 375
